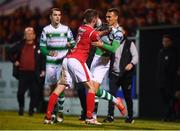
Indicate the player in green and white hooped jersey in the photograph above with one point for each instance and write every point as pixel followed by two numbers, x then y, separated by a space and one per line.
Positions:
pixel 101 61
pixel 56 39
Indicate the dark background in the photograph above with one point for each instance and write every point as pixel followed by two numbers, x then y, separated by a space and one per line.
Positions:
pixel 150 43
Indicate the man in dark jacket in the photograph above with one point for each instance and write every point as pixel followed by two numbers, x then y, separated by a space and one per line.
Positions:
pixel 166 75
pixel 122 67
pixel 29 69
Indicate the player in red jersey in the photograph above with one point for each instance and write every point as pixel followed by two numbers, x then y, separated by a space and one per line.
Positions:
pixel 74 68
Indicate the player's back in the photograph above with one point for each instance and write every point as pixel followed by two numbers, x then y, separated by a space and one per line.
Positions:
pixel 86 35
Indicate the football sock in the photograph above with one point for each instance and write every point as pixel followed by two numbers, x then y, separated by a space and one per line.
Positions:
pixel 90 104
pixel 59 105
pixel 61 99
pixel 96 107
pixel 101 93
pixel 52 101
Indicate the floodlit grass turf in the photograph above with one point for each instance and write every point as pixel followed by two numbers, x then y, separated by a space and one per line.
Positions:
pixel 9 120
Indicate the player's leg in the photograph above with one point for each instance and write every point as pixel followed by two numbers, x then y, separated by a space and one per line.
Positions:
pixel 60 103
pixel 61 98
pixel 52 76
pixel 90 100
pixel 80 73
pixel 103 94
pixel 99 69
pixel 96 107
pixel 50 79
pixel 50 85
pixel 96 86
pixel 64 80
pixel 52 101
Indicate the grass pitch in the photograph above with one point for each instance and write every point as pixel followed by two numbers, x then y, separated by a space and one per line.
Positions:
pixel 9 120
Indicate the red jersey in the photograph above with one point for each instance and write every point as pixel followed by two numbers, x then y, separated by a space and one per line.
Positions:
pixel 86 35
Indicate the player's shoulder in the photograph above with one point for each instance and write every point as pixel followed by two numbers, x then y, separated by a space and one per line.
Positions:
pixel 64 26
pixel 87 29
pixel 119 30
pixel 47 27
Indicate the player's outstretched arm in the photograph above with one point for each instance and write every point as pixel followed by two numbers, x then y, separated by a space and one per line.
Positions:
pixel 111 48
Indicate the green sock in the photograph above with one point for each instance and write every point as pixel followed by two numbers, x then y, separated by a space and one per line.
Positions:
pixel 96 107
pixel 101 93
pixel 61 99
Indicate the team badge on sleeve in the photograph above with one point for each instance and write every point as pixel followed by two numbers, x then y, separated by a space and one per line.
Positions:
pixel 71 34
pixel 118 35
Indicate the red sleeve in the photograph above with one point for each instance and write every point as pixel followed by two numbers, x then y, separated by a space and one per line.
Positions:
pixel 95 36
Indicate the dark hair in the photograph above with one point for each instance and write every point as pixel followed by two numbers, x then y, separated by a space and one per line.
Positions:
pixel 115 11
pixel 54 9
pixel 89 14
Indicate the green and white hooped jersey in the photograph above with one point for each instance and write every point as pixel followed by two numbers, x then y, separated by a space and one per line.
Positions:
pixel 56 39
pixel 116 34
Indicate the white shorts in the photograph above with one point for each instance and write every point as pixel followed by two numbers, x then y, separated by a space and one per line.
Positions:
pixel 52 74
pixel 73 71
pixel 99 67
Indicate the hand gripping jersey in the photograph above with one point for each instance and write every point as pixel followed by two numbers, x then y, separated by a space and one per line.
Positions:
pixel 101 61
pixel 115 35
pixel 56 39
pixel 86 35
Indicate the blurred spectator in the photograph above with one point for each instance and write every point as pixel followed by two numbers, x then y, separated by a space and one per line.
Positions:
pixel 134 13
pixel 151 18
pixel 29 69
pixel 166 76
pixel 176 18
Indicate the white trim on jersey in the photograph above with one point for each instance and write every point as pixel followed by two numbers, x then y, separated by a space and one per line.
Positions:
pixel 91 33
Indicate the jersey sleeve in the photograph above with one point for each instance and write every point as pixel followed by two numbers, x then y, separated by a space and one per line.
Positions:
pixel 111 48
pixel 43 38
pixel 70 37
pixel 134 53
pixel 118 37
pixel 94 36
pixel 43 41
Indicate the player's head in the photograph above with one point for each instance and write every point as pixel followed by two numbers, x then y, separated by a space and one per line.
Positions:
pixel 55 16
pixel 167 41
pixel 112 16
pixel 90 16
pixel 29 34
